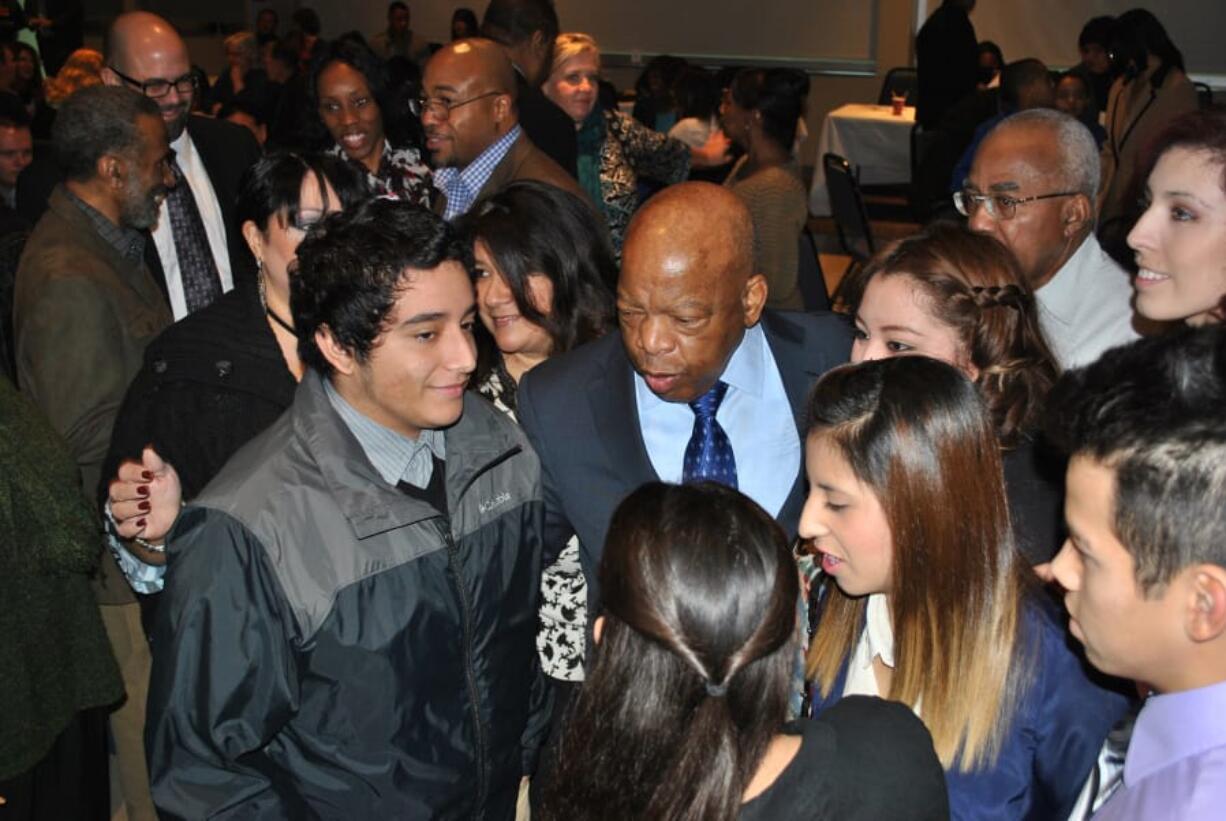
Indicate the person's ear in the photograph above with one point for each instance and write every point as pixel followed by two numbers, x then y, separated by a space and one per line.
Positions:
pixel 753 299
pixel 255 239
pixel 1206 603
pixel 598 629
pixel 337 355
pixel 1075 213
pixel 502 108
pixel 109 77
pixel 112 170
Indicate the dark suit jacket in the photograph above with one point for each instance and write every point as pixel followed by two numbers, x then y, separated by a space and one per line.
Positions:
pixel 580 413
pixel 524 161
pixel 83 315
pixel 947 62
pixel 227 150
pixel 549 127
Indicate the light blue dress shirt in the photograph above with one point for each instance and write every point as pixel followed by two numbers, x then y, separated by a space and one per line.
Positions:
pixel 755 413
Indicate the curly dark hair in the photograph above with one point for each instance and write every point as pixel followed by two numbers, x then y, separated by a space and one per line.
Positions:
pixel 351 268
pixel 976 288
pixel 535 229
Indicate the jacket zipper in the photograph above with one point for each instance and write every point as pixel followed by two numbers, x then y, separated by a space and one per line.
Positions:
pixel 453 560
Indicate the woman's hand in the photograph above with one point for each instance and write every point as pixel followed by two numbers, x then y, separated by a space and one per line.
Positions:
pixel 713 153
pixel 145 499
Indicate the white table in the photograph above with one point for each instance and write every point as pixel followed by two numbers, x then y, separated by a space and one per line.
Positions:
pixel 870 137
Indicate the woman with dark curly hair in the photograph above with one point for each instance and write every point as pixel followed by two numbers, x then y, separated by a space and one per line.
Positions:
pixel 349 90
pixel 545 283
pixel 957 296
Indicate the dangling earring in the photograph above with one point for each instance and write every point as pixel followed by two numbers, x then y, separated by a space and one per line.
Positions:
pixel 259 278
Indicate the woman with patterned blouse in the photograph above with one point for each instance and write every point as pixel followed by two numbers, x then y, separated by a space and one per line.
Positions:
pixel 545 280
pixel 348 88
pixel 615 149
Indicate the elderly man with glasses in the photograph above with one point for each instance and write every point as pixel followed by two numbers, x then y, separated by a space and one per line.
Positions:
pixel 198 252
pixel 1033 186
pixel 472 127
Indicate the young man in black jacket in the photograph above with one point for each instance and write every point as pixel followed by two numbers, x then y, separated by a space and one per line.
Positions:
pixel 349 630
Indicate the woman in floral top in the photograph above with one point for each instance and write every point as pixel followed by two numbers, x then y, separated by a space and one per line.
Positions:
pixel 545 280
pixel 349 90
pixel 614 148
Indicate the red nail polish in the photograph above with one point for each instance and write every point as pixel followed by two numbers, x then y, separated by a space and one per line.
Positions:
pixel 143 506
pixel 143 490
pixel 140 522
pixel 146 475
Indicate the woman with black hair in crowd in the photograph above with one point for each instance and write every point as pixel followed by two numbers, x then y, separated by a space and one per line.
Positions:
pixel 1152 90
pixel 348 88
pixel 218 377
pixel 760 116
pixel 545 284
pixel 464 24
pixel 684 711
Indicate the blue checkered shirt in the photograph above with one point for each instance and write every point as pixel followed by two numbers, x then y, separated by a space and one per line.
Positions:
pixel 462 186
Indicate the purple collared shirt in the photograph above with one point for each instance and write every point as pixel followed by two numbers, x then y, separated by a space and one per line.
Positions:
pixel 1176 762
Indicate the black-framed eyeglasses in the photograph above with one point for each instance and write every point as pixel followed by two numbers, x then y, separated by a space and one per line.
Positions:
pixel 998 206
pixel 441 109
pixel 158 87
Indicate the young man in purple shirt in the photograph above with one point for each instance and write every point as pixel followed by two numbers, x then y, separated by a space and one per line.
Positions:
pixel 1144 567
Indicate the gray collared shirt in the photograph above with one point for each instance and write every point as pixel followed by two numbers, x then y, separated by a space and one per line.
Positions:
pixel 128 242
pixel 395 456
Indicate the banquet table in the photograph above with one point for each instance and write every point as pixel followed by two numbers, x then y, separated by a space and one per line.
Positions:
pixel 872 139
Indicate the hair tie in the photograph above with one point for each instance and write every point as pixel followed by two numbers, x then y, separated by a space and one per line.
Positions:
pixel 716 690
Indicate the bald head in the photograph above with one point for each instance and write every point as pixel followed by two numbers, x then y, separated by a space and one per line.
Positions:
pixel 696 224
pixel 471 87
pixel 143 49
pixel 483 60
pixel 687 290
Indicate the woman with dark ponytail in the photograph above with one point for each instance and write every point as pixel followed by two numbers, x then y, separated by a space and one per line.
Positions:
pixel 761 116
pixel 683 714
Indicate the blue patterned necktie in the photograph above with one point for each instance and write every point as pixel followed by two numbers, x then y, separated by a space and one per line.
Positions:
pixel 201 282
pixel 709 453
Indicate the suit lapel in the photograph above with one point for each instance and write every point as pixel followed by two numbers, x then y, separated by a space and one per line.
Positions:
pixel 611 395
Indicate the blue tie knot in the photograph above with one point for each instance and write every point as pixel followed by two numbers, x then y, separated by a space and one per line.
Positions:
pixel 706 406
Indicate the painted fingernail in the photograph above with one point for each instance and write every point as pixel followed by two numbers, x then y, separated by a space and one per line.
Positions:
pixel 143 490
pixel 140 522
pixel 143 506
pixel 146 475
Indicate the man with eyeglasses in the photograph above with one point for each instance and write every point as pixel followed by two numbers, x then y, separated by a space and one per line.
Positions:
pixel 199 250
pixel 472 127
pixel 1032 186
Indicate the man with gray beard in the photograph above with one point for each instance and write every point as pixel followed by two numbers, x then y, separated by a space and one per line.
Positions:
pixel 85 307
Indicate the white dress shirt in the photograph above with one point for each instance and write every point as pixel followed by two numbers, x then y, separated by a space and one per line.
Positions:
pixel 755 414
pixel 214 226
pixel 1086 307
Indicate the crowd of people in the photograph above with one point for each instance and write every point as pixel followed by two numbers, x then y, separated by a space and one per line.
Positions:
pixel 400 429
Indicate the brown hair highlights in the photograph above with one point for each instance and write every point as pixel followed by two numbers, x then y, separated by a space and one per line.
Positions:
pixel 974 286
pixel 916 432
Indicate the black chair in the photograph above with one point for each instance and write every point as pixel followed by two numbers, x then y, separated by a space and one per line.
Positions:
pixel 900 80
pixel 809 276
pixel 847 207
pixel 1204 94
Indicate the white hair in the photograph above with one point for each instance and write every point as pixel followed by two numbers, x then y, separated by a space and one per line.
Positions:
pixel 1080 166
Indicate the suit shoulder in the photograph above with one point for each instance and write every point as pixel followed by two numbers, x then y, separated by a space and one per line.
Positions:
pixel 568 372
pixel 537 165
pixel 223 141
pixel 804 327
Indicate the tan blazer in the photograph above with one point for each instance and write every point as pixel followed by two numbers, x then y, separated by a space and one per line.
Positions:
pixel 82 316
pixel 1136 114
pixel 524 161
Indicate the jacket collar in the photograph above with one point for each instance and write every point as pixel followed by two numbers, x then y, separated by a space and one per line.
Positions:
pixel 475 443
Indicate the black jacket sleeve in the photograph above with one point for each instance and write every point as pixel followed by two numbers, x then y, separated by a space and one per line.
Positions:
pixel 224 680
